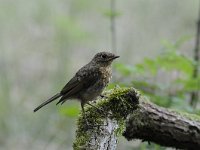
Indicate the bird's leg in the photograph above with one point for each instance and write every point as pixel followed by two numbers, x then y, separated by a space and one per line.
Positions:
pixel 103 96
pixel 83 111
pixel 84 116
pixel 100 110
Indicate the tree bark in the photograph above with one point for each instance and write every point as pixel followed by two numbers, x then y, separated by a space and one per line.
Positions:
pixel 101 137
pixel 107 125
pixel 164 127
pixel 127 110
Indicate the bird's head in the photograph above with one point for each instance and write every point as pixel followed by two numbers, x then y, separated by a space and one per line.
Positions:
pixel 104 58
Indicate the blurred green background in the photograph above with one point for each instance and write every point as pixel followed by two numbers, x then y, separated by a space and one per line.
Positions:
pixel 44 42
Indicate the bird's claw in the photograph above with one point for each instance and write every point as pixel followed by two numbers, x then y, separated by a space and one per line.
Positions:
pixel 103 96
pixel 100 110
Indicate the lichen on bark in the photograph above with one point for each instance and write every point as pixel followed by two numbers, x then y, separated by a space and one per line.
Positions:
pixel 118 103
pixel 144 120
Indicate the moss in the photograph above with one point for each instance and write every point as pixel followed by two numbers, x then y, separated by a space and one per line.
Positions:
pixel 82 134
pixel 120 129
pixel 80 143
pixel 120 102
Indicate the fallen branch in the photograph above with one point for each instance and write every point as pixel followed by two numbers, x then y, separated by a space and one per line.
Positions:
pixel 167 128
pixel 145 121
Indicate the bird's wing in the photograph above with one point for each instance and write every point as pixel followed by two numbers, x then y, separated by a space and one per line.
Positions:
pixel 82 80
pixel 72 84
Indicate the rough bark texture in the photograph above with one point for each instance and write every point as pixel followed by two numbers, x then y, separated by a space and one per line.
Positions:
pixel 140 119
pixel 105 138
pixel 119 104
pixel 167 128
pixel 102 137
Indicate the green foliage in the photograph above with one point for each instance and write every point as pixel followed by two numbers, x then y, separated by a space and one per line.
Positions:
pixel 125 70
pixel 109 13
pixel 190 84
pixel 174 46
pixel 70 110
pixel 166 79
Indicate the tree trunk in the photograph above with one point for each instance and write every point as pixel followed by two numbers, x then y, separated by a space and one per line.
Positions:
pixel 126 110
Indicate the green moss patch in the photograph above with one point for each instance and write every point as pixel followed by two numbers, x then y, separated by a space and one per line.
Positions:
pixel 118 104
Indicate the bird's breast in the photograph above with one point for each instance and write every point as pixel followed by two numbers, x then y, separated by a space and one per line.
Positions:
pixel 106 74
pixel 96 89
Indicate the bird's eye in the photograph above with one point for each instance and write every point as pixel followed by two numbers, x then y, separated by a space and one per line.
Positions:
pixel 103 56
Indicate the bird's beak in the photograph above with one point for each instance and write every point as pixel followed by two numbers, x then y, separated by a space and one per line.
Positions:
pixel 112 58
pixel 115 57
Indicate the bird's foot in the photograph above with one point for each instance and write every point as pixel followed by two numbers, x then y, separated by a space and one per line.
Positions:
pixel 103 96
pixel 101 110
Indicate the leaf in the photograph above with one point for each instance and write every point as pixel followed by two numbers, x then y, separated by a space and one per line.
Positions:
pixel 147 66
pixel 182 40
pixel 175 46
pixel 145 86
pixel 191 84
pixel 124 69
pixel 159 99
pixel 173 60
pixel 70 110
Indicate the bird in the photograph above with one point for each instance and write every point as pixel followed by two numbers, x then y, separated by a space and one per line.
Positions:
pixel 88 83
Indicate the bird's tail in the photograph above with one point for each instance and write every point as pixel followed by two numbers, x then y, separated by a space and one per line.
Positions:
pixel 48 101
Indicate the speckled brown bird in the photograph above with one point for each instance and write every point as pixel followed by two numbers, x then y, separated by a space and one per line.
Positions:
pixel 88 83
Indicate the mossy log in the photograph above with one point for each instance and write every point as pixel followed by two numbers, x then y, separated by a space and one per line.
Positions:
pixel 164 127
pixel 126 112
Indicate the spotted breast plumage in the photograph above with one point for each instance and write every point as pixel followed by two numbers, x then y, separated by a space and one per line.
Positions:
pixel 88 82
